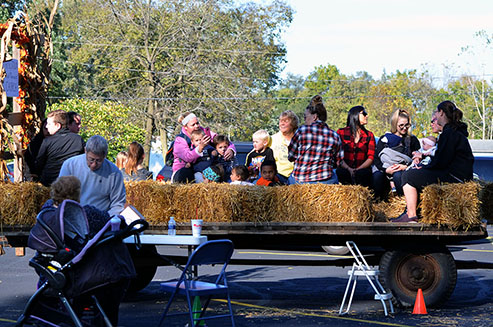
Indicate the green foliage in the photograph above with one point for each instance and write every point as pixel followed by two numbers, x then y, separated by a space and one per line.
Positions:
pixel 215 58
pixel 110 120
pixel 9 7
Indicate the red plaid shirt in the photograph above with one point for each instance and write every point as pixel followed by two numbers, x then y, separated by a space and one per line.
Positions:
pixel 316 150
pixel 357 153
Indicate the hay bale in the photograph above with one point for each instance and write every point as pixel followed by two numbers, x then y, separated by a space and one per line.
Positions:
pixel 237 203
pixel 384 210
pixel 154 200
pixel 21 202
pixel 456 205
pixel 321 203
pixel 486 199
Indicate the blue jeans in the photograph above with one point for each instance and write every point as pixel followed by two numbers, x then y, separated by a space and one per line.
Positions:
pixel 332 180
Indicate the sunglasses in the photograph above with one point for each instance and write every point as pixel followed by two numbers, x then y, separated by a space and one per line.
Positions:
pixel 404 125
pixel 364 113
pixel 434 120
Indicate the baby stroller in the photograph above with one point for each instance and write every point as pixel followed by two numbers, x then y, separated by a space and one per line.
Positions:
pixel 72 267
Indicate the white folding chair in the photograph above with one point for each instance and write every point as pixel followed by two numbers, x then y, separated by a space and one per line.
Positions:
pixel 361 268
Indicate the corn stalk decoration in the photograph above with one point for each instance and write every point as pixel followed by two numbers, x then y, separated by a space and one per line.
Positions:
pixel 35 47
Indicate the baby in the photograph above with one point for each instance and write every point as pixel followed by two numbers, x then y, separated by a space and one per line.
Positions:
pixel 260 152
pixel 239 176
pixel 423 156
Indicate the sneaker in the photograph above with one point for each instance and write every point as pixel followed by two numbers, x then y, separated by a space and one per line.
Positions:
pixel 404 218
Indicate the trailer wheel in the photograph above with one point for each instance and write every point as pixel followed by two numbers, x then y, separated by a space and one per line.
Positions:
pixel 335 249
pixel 404 271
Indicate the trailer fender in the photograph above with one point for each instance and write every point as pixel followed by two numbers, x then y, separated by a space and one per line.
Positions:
pixel 404 271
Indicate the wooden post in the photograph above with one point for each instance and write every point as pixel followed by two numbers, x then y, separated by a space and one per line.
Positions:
pixel 18 159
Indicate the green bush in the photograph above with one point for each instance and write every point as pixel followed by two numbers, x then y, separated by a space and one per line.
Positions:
pixel 111 120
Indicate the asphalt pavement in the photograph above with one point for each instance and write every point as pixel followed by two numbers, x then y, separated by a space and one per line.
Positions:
pixel 284 296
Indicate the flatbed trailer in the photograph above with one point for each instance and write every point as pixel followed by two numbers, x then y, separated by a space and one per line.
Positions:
pixel 409 256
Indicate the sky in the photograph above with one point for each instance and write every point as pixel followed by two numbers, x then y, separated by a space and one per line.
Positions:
pixel 389 35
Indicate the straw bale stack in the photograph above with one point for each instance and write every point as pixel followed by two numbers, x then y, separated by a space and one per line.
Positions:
pixel 486 198
pixel 21 202
pixel 152 199
pixel 234 203
pixel 456 205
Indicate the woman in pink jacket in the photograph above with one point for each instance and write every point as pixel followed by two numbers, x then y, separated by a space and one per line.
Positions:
pixel 185 153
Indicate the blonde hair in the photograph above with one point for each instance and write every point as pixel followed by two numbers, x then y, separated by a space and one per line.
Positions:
pixel 261 134
pixel 399 113
pixel 65 187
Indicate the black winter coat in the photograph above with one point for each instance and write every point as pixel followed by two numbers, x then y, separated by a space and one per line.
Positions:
pixel 54 151
pixel 453 154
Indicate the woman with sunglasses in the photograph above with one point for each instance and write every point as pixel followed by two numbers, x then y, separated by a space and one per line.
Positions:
pixel 359 149
pixel 393 155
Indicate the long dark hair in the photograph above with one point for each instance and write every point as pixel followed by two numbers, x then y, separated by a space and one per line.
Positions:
pixel 317 107
pixel 353 119
pixel 454 114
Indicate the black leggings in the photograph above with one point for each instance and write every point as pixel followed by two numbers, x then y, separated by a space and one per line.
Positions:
pixel 419 178
pixel 361 177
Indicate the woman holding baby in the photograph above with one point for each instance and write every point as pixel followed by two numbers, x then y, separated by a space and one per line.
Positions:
pixel 393 155
pixel 185 152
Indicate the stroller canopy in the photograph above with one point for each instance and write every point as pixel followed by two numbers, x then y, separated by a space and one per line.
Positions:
pixel 57 228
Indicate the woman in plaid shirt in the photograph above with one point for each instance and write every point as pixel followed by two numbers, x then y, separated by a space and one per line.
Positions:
pixel 315 149
pixel 359 149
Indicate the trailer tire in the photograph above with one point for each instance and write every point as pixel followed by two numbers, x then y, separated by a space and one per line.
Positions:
pixel 404 271
pixel 335 249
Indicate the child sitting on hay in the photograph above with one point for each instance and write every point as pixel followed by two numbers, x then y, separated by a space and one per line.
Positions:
pixel 268 171
pixel 221 143
pixel 239 175
pixel 260 152
pixel 213 174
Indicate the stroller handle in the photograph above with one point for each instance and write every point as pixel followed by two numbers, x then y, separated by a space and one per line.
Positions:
pixel 130 229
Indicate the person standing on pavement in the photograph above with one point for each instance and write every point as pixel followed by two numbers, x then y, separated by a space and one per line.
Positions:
pixel 54 150
pixel 101 181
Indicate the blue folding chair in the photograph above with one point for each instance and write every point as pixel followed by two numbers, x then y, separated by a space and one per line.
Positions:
pixel 209 253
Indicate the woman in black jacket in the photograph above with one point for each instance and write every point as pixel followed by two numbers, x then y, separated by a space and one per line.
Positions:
pixel 452 163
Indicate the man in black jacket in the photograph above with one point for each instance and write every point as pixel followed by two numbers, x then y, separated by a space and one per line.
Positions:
pixel 61 145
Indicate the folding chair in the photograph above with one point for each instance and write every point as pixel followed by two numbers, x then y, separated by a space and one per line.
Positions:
pixel 361 268
pixel 209 253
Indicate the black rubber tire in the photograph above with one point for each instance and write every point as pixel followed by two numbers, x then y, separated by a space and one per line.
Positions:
pixel 404 271
pixel 335 250
pixel 145 274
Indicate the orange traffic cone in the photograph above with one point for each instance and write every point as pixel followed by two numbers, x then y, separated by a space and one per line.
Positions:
pixel 419 304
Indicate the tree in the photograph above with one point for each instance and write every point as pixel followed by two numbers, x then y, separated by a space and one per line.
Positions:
pixel 214 58
pixel 108 119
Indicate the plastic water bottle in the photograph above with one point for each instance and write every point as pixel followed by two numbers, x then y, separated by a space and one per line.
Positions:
pixel 115 223
pixel 172 226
